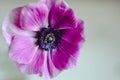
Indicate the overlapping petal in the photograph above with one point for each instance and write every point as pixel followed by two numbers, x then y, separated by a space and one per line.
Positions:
pixel 24 19
pixel 9 28
pixel 33 17
pixel 22 49
pixel 52 3
pixel 61 17
pixel 75 35
pixel 41 65
pixel 67 53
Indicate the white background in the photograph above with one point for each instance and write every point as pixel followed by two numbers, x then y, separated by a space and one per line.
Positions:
pixel 100 57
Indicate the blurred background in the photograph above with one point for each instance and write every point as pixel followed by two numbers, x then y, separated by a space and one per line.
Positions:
pixel 100 56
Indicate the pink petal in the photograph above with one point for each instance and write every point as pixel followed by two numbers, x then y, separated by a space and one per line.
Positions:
pixel 21 20
pixel 52 3
pixel 67 54
pixel 9 28
pixel 62 17
pixel 52 70
pixel 22 49
pixel 33 16
pixel 35 66
pixel 41 65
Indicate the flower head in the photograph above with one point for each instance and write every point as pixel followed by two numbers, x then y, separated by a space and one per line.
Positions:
pixel 44 38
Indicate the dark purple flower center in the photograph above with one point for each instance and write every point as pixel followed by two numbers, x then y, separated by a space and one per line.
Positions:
pixel 49 38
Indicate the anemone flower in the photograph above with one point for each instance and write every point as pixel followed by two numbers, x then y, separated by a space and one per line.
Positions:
pixel 44 37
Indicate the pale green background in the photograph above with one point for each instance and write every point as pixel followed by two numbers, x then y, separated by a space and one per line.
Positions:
pixel 100 57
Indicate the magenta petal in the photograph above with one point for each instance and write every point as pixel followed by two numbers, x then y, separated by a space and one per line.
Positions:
pixel 64 54
pixel 33 16
pixel 67 54
pixel 61 17
pixel 22 49
pixel 52 70
pixel 41 65
pixel 74 36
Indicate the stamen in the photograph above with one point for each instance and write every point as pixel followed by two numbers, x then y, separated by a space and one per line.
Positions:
pixel 49 38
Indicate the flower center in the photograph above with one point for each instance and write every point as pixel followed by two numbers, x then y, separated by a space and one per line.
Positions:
pixel 49 38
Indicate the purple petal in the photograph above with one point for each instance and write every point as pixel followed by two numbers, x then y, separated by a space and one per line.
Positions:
pixel 22 49
pixel 33 17
pixel 67 54
pixel 61 17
